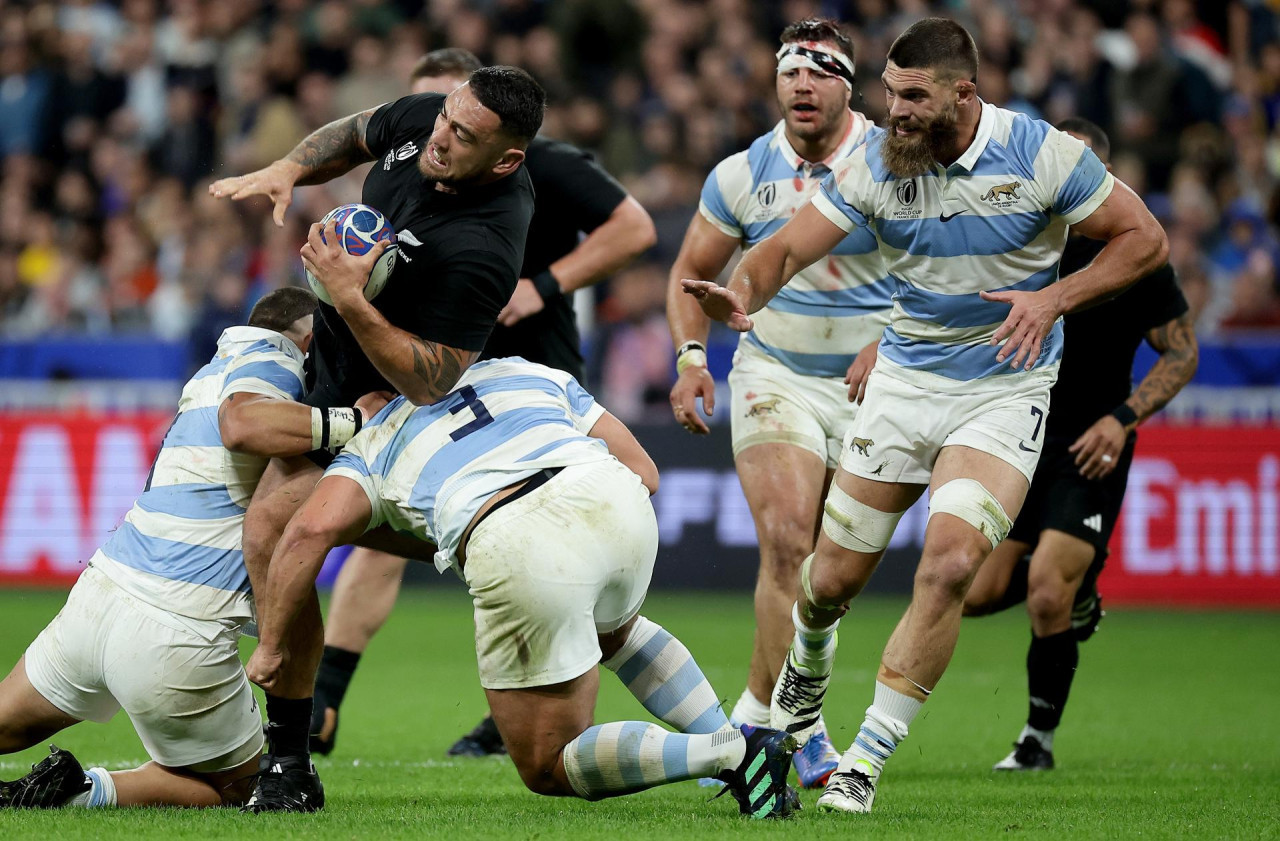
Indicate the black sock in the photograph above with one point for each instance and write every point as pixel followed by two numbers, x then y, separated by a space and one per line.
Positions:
pixel 290 720
pixel 1051 664
pixel 336 669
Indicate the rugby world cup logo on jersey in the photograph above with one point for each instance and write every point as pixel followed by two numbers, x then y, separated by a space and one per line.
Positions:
pixel 766 194
pixel 906 194
pixel 1003 195
pixel 405 152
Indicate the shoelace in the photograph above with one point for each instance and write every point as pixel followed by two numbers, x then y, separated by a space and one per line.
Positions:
pixel 852 784
pixel 797 690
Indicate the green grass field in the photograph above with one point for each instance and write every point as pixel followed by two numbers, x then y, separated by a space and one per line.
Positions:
pixel 1173 731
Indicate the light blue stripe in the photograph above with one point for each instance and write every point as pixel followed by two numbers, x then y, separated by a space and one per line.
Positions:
pixel 809 364
pixel 588 764
pixel 714 200
pixel 640 661
pixel 872 748
pixel 965 235
pixel 580 402
pixel 195 428
pixel 452 457
pixel 1016 159
pixel 290 382
pixel 966 310
pixel 217 366
pixel 210 566
pixel 1083 182
pixel 962 362
pixel 675 757
pixel 190 501
pixel 832 191
pixel 711 720
pixel 837 303
pixel 546 448
pixel 675 689
pixel 630 739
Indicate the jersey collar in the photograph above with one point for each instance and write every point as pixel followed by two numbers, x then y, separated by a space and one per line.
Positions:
pixel 986 123
pixel 244 335
pixel 852 137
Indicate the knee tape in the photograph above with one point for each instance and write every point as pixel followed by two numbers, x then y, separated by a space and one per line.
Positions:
pixel 856 526
pixel 971 502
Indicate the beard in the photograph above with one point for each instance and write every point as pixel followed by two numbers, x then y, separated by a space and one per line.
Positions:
pixel 914 155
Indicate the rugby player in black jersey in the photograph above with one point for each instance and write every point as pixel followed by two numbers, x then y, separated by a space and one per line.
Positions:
pixel 449 175
pixel 573 195
pixel 1058 543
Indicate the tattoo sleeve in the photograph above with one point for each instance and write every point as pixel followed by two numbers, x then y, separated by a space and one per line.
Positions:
pixel 334 149
pixel 1179 354
pixel 439 366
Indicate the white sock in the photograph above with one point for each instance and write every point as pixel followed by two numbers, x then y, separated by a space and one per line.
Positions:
pixel 627 756
pixel 1044 737
pixel 750 710
pixel 888 719
pixel 102 791
pixel 814 649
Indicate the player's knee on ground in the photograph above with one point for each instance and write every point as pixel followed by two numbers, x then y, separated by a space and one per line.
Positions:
pixel 538 767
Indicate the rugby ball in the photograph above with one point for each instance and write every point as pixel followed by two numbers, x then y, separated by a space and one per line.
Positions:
pixel 359 229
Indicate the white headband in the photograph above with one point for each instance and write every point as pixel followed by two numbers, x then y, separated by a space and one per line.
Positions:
pixel 816 56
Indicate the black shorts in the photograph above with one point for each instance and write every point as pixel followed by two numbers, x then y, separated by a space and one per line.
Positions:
pixel 1063 500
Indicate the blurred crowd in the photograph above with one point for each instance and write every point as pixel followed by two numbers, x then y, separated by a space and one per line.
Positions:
pixel 114 117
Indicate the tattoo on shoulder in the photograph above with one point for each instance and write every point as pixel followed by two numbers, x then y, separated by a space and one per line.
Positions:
pixel 439 366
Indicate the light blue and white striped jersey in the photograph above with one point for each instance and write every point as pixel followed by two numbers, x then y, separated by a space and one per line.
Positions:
pixel 179 547
pixel 996 219
pixel 429 469
pixel 831 310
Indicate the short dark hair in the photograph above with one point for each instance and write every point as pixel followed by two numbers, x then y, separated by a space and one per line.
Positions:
pixel 278 310
pixel 450 61
pixel 1097 137
pixel 937 44
pixel 822 30
pixel 514 96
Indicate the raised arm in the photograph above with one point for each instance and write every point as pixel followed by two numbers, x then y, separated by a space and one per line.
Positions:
pixel 323 155
pixel 766 268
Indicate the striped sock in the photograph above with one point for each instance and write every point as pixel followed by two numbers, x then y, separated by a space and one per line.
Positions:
pixel 814 649
pixel 884 727
pixel 627 756
pixel 665 678
pixel 102 791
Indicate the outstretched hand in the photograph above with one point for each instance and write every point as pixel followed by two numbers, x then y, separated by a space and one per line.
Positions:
pixel 719 303
pixel 275 182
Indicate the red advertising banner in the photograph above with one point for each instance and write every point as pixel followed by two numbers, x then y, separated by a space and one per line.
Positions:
pixel 1200 519
pixel 66 480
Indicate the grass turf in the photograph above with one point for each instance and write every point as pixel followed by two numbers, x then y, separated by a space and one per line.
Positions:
pixel 1172 731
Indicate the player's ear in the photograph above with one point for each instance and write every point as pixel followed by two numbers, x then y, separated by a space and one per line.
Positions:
pixel 509 162
pixel 305 343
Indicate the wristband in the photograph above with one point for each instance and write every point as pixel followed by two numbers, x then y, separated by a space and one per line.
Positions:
pixel 547 285
pixel 1125 414
pixel 331 429
pixel 691 359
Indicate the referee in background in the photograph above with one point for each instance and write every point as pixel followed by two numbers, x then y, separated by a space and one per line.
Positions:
pixel 1056 549
pixel 573 196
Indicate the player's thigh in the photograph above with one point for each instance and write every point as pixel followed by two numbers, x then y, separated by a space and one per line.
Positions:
pixel 185 691
pixel 897 432
pixel 285 485
pixel 26 716
pixel 536 723
pixel 67 663
pixel 770 404
pixel 784 486
pixel 551 570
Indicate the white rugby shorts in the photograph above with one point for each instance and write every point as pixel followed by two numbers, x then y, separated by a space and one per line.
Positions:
pixel 551 570
pixel 904 426
pixel 186 694
pixel 771 404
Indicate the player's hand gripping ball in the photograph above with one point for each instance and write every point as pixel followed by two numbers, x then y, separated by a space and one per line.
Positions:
pixel 360 228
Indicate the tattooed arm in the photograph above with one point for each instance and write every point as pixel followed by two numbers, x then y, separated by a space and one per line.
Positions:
pixel 1179 354
pixel 1097 451
pixel 322 156
pixel 422 370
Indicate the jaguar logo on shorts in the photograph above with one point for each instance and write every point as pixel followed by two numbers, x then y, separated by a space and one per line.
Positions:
pixel 766 194
pixel 1003 195
pixel 764 407
pixel 863 446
